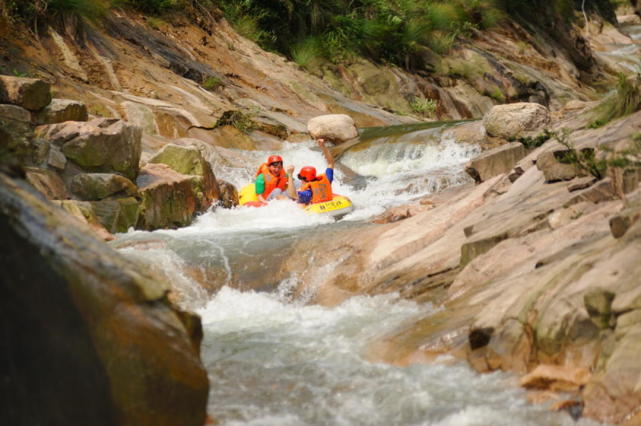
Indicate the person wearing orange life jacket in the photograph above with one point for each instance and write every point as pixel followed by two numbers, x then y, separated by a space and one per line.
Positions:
pixel 271 179
pixel 315 188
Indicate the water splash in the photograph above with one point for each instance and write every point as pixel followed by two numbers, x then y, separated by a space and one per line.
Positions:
pixel 277 363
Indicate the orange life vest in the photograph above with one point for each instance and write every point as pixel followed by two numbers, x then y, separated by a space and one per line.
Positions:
pixel 272 182
pixel 321 189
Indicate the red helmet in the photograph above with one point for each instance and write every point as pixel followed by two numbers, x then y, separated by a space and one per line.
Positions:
pixel 274 159
pixel 307 173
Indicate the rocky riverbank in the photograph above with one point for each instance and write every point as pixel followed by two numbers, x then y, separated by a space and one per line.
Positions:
pixel 535 266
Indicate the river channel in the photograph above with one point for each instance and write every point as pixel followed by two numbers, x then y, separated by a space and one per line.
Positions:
pixel 276 359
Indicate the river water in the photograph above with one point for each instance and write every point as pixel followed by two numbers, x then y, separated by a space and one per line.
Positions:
pixel 276 359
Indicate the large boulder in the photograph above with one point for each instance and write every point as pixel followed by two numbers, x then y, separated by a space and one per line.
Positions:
pixel 90 334
pixel 100 145
pixel 168 199
pixel 335 127
pixel 190 161
pixel 29 93
pixel 520 119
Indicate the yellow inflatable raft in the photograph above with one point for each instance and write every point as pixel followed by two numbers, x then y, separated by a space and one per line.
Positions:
pixel 247 194
pixel 337 206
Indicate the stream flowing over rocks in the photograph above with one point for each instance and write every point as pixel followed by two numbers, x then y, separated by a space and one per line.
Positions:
pixel 481 278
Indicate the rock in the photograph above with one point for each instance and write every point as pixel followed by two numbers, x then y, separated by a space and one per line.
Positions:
pixel 100 145
pixel 95 324
pixel 83 211
pixel 597 193
pixel 556 378
pixel 228 194
pixel 598 303
pixel 270 126
pixel 47 182
pixel 168 199
pixel 56 158
pixel 554 170
pixel 189 161
pixel 15 130
pixel 117 215
pixel 140 115
pixel 477 247
pixel 97 186
pixel 626 218
pixel 61 110
pixel 495 161
pixel 335 127
pixel 515 120
pixel 29 93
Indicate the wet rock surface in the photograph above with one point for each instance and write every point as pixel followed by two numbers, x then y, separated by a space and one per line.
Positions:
pixel 104 346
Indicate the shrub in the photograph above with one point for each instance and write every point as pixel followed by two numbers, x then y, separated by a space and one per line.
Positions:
pixel 424 106
pixel 625 100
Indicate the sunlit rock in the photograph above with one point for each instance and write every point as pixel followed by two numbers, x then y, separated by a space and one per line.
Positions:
pixel 189 161
pixel 556 377
pixel 510 121
pixel 168 199
pixel 554 169
pixel 29 93
pixel 495 161
pixel 335 127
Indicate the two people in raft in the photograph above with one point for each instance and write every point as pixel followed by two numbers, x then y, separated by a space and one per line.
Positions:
pixel 272 182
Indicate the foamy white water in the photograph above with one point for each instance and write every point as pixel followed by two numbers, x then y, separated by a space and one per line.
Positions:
pixel 274 362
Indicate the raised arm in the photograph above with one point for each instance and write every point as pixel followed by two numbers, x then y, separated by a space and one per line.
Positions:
pixel 291 188
pixel 328 155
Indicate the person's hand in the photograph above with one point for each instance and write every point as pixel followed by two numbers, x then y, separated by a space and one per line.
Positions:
pixel 321 142
pixel 290 169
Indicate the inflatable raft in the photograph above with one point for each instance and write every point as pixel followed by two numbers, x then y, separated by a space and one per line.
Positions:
pixel 337 206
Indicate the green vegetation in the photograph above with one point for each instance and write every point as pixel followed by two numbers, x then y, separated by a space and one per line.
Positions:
pixel 625 100
pixel 240 120
pixel 212 83
pixel 336 30
pixel 585 160
pixel 595 162
pixel 310 32
pixel 531 142
pixel 424 106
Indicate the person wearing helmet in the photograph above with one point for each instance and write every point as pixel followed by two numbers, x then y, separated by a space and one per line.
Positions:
pixel 271 179
pixel 315 188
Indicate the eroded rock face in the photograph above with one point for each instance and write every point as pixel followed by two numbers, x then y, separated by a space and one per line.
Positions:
pixel 87 332
pixel 29 93
pixel 335 127
pixel 511 121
